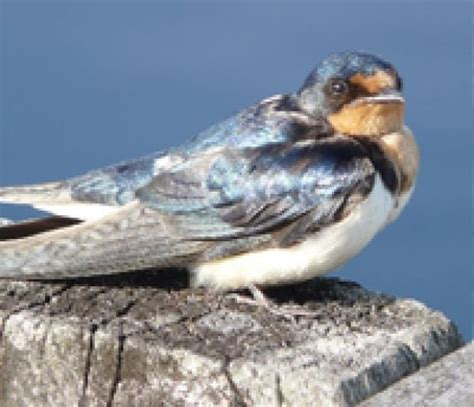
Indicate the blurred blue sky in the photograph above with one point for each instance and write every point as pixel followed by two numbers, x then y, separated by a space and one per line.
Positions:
pixel 86 84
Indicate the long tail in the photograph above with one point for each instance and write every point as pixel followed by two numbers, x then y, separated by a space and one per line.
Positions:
pixel 35 194
pixel 10 231
pixel 55 198
pixel 132 238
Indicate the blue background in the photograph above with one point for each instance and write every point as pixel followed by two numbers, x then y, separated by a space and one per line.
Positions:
pixel 86 84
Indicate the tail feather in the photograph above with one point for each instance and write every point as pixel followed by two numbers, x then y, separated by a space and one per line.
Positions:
pixel 56 192
pixel 55 198
pixel 133 238
pixel 10 231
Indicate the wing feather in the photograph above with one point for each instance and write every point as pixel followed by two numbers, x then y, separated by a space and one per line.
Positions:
pixel 254 191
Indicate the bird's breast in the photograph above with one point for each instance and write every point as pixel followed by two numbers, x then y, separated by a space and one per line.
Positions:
pixel 402 149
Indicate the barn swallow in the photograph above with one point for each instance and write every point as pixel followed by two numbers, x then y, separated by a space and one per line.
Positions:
pixel 286 190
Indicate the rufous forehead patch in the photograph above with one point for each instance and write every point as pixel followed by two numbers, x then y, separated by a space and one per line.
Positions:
pixel 374 83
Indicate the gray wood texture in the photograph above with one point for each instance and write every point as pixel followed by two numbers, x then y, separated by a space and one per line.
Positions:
pixel 145 339
pixel 447 382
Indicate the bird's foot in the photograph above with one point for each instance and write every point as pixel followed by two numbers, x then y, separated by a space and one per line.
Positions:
pixel 260 300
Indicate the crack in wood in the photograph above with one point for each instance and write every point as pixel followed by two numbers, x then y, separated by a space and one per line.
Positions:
pixel 280 398
pixel 118 366
pixel 239 397
pixel 87 368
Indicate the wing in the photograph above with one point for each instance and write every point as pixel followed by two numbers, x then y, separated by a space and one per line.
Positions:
pixel 213 205
pixel 244 193
pixel 102 192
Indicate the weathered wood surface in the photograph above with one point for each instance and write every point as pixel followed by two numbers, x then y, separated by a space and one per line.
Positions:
pixel 144 339
pixel 447 382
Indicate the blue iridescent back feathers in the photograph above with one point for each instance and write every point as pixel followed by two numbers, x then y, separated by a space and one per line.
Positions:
pixel 251 160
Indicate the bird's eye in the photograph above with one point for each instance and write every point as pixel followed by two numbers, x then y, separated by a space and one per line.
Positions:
pixel 338 87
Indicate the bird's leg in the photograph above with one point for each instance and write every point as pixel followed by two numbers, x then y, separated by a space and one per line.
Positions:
pixel 258 299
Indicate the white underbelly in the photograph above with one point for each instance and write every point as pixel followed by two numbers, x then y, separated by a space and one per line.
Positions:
pixel 318 254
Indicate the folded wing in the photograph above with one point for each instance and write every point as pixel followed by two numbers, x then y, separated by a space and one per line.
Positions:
pixel 230 194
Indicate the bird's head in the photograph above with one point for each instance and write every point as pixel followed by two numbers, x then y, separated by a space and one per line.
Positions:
pixel 359 94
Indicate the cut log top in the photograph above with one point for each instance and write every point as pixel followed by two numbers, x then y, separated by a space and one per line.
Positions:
pixel 146 339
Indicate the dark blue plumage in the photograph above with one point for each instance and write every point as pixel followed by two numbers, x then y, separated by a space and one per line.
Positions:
pixel 254 190
pixel 250 173
pixel 344 65
pixel 115 185
pixel 253 127
pixel 285 190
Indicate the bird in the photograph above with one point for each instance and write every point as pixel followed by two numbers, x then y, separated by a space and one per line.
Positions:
pixel 285 190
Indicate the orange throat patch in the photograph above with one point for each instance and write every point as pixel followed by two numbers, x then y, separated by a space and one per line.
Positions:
pixel 368 118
